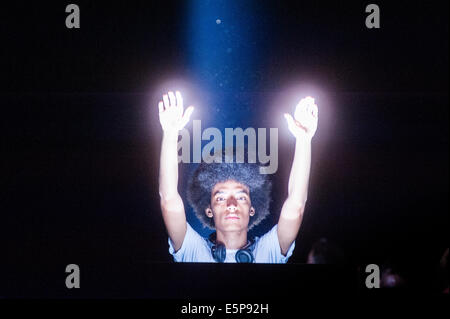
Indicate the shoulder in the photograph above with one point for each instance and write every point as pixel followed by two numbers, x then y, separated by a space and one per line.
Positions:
pixel 191 237
pixel 268 237
pixel 194 247
pixel 267 248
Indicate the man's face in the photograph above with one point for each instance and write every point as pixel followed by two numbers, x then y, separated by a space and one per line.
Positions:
pixel 230 206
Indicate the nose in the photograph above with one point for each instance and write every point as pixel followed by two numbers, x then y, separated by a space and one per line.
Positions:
pixel 231 204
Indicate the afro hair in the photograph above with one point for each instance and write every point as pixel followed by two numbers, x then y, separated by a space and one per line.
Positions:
pixel 207 175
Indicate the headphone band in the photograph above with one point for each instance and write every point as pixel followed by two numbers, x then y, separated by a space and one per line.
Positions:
pixel 218 251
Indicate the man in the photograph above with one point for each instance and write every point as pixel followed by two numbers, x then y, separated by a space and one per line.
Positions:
pixel 232 197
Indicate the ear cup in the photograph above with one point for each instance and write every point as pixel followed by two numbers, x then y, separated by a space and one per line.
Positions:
pixel 244 256
pixel 219 252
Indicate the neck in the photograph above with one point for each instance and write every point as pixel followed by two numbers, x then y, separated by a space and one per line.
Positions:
pixel 232 239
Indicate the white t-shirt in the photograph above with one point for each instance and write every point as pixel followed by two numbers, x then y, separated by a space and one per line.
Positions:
pixel 195 248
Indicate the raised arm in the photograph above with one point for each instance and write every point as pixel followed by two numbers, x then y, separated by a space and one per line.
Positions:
pixel 172 119
pixel 303 127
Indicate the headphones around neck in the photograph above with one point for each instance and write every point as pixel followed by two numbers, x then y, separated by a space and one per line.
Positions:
pixel 219 251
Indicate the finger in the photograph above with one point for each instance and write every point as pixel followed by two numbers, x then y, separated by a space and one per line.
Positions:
pixel 188 113
pixel 172 99
pixel 304 111
pixel 299 113
pixel 300 109
pixel 179 98
pixel 304 117
pixel 309 110
pixel 166 101
pixel 315 110
pixel 311 106
pixel 309 100
pixel 179 102
pixel 161 107
pixel 303 104
pixel 186 116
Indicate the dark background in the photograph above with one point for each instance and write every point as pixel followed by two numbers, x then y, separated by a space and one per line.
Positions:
pixel 81 136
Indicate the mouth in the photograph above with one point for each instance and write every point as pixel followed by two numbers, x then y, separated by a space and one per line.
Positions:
pixel 232 216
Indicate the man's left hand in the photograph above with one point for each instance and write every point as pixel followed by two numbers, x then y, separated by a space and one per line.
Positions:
pixel 304 122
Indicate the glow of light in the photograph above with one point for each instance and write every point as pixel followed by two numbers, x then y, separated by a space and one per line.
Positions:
pixel 286 101
pixel 303 102
pixel 200 99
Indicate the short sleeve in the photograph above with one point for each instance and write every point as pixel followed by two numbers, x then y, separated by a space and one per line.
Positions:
pixel 192 248
pixel 268 250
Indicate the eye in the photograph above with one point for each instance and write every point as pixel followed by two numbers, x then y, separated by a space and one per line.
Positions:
pixel 242 198
pixel 220 199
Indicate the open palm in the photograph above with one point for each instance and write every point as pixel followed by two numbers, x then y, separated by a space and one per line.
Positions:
pixel 171 115
pixel 304 122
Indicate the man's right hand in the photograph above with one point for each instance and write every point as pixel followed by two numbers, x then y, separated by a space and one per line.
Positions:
pixel 171 115
pixel 173 118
